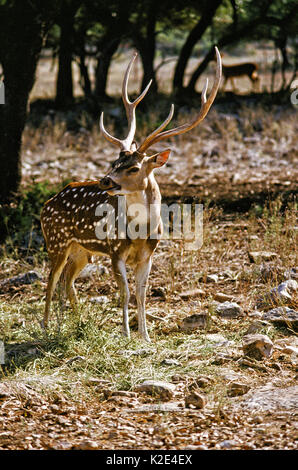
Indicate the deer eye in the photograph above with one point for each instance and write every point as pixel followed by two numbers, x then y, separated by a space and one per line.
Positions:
pixel 134 169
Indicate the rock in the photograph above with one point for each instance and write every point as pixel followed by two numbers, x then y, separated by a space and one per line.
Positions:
pixel 229 310
pixel 236 389
pixel 191 293
pixel 256 326
pixel 291 273
pixel 160 388
pixel 197 320
pixel 100 299
pixel 91 270
pixel 256 256
pixel 257 346
pixel 86 445
pixel 271 398
pixel 196 400
pixel 222 358
pixel 256 314
pixel 170 362
pixel 217 339
pixel 159 292
pixel 200 382
pixel 284 291
pixel 227 444
pixel 220 297
pixel 290 350
pixel 21 279
pixel 282 316
pixel 270 272
pixel 5 393
pixel 212 278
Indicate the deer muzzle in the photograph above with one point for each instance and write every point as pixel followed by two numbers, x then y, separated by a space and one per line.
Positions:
pixel 107 184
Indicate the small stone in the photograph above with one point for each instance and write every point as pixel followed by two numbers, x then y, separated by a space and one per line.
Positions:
pixel 256 326
pixel 290 350
pixel 200 382
pixel 257 346
pixel 236 389
pixel 282 316
pixel 100 299
pixel 196 400
pixel 160 388
pixel 221 297
pixel 86 445
pixel 159 292
pixel 222 358
pixel 229 310
pixel 92 270
pixel 170 362
pixel 279 295
pixel 191 293
pixel 256 256
pixel 216 338
pixel 227 444
pixel 123 393
pixel 212 278
pixel 197 320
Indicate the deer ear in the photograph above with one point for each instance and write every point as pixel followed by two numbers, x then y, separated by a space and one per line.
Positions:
pixel 159 159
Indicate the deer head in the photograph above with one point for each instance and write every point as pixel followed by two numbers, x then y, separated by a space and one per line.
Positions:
pixel 131 169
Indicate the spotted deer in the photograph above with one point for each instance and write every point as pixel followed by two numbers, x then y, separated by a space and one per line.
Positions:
pixel 69 220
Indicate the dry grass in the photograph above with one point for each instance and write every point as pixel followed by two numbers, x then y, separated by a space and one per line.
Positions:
pixel 234 152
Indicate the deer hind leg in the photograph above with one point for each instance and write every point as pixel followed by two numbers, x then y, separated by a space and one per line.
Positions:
pixel 76 262
pixel 119 270
pixel 233 85
pixel 55 273
pixel 142 273
pixel 225 83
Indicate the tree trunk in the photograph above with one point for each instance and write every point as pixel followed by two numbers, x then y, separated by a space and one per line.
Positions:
pixel 110 46
pixel 146 45
pixel 64 84
pixel 193 37
pixel 21 38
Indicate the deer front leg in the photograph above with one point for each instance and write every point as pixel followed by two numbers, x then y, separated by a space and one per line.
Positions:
pixel 142 273
pixel 119 270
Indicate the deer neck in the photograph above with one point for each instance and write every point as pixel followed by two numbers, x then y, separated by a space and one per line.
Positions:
pixel 148 201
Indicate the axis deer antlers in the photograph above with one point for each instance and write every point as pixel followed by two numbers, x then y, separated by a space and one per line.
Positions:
pixel 73 221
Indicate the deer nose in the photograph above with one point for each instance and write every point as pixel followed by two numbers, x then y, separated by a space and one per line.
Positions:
pixel 106 183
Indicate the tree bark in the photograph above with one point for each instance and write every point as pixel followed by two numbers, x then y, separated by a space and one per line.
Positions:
pixel 21 38
pixel 110 46
pixel 64 84
pixel 146 45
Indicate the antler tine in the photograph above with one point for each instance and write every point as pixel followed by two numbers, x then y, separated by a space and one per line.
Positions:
pixel 205 106
pixel 151 136
pixel 108 136
pixel 130 107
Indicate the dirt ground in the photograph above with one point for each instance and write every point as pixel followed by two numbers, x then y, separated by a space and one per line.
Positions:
pixel 84 395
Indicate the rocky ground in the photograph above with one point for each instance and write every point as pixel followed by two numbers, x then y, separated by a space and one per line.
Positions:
pixel 221 371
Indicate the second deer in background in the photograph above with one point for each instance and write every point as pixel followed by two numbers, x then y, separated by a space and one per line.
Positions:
pixel 249 69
